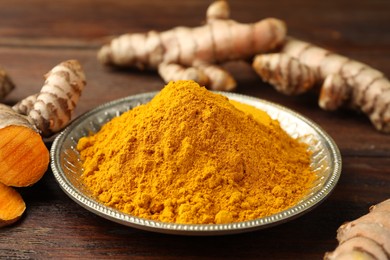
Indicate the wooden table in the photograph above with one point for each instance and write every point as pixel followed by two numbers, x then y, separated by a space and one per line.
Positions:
pixel 36 35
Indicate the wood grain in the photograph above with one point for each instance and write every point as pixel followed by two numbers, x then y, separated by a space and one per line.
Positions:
pixel 38 34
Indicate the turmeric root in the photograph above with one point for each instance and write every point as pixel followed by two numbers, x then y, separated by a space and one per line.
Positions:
pixel 12 205
pixel 24 157
pixel 24 106
pixel 52 108
pixel 192 53
pixel 6 85
pixel 367 237
pixel 300 65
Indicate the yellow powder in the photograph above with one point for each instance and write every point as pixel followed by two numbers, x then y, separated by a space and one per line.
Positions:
pixel 190 156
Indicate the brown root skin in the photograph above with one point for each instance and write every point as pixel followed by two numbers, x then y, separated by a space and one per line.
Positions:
pixel 383 206
pixel 195 53
pixel 276 68
pixel 12 205
pixel 345 82
pixel 24 106
pixel 9 117
pixel 367 237
pixel 24 157
pixel 177 72
pixel 218 10
pixel 352 249
pixel 6 84
pixel 51 109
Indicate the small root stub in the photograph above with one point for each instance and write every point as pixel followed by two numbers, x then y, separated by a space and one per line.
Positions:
pixel 12 205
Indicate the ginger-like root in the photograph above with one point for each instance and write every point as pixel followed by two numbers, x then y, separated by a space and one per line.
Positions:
pixel 24 106
pixel 52 108
pixel 276 68
pixel 6 84
pixel 193 53
pixel 218 10
pixel 24 157
pixel 12 205
pixel 367 237
pixel 301 65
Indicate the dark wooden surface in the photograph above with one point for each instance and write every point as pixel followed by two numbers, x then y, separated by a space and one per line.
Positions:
pixel 36 35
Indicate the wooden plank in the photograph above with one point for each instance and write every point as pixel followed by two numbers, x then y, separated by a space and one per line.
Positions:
pixel 341 24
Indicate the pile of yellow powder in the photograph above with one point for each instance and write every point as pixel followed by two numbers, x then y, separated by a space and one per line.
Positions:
pixel 191 156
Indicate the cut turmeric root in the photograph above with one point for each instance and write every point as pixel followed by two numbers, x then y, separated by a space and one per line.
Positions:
pixel 24 157
pixel 12 205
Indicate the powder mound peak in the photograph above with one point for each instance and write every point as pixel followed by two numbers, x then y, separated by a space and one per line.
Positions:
pixel 190 156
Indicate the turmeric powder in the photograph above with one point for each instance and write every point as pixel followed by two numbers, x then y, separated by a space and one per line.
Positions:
pixel 190 156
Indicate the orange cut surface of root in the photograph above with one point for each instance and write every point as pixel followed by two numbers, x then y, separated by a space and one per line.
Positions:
pixel 12 205
pixel 24 157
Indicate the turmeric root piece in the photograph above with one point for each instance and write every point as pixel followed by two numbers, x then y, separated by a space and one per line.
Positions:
pixel 352 249
pixel 277 68
pixel 383 206
pixel 367 237
pixel 6 84
pixel 12 205
pixel 193 53
pixel 52 108
pixel 218 10
pixel 24 106
pixel 344 81
pixel 24 157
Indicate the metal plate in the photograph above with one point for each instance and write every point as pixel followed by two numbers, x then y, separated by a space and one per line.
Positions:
pixel 67 166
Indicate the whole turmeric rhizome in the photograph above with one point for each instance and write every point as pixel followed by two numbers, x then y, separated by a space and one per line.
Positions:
pixel 192 156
